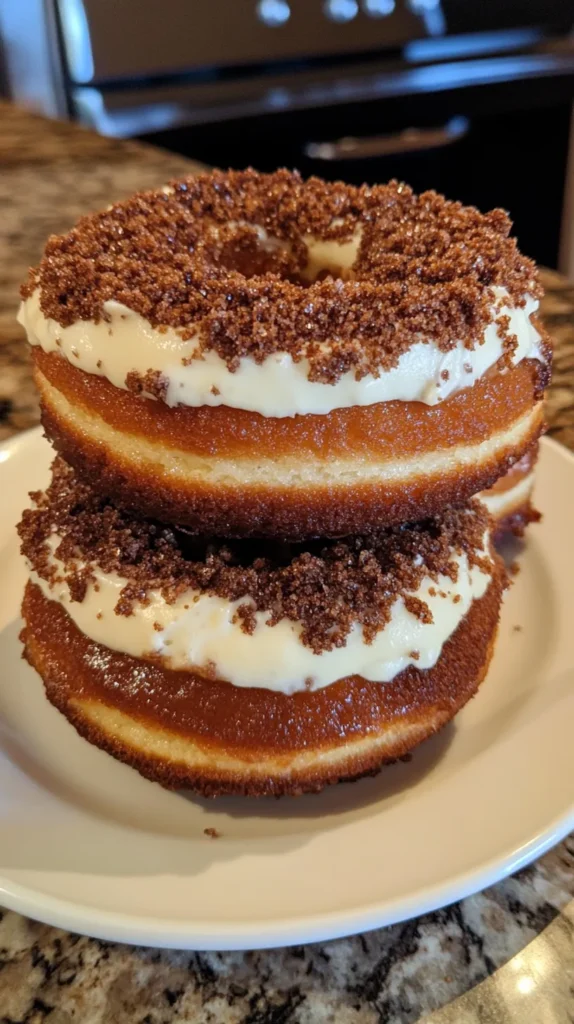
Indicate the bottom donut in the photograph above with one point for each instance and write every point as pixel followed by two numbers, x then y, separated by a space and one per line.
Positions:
pixel 218 739
pixel 254 667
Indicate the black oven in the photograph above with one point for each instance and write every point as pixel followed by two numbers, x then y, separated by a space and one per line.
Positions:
pixel 470 98
pixel 492 143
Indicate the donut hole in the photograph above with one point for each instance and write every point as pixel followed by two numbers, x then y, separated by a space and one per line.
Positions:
pixel 254 255
pixel 250 258
pixel 330 258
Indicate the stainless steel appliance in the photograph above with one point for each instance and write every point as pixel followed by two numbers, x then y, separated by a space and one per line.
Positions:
pixel 471 98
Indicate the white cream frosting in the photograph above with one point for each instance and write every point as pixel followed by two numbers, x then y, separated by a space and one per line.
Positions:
pixel 499 502
pixel 278 386
pixel 197 632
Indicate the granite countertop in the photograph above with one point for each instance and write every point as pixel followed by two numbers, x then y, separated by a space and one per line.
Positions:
pixel 503 956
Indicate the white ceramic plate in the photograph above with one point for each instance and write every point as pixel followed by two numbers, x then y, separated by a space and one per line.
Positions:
pixel 88 845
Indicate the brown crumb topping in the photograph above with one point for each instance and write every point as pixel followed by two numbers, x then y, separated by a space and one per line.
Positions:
pixel 152 382
pixel 325 586
pixel 189 257
pixel 212 833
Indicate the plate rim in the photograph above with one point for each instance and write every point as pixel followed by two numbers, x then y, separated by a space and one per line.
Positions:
pixel 199 935
pixel 318 926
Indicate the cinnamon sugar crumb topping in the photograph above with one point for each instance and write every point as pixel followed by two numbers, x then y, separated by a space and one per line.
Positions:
pixel 151 383
pixel 325 586
pixel 190 258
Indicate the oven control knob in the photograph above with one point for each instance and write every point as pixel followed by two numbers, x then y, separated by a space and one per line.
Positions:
pixel 341 10
pixel 273 12
pixel 378 8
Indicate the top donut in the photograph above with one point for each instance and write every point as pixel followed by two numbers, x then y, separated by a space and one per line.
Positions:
pixel 276 347
pixel 248 265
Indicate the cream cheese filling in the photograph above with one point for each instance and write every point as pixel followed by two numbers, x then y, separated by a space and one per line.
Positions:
pixel 277 387
pixel 197 632
pixel 499 504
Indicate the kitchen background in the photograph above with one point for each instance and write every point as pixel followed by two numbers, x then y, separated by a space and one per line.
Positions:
pixel 471 98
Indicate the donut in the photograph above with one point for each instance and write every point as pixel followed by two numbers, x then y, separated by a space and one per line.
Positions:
pixel 257 355
pixel 509 500
pixel 254 668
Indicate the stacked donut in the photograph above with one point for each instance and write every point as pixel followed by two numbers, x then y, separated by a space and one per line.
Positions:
pixel 259 567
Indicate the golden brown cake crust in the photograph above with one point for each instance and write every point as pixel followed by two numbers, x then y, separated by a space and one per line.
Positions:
pixel 384 430
pixel 519 471
pixel 248 740
pixel 293 512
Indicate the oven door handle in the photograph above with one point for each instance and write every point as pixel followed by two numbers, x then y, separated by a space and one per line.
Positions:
pixel 411 140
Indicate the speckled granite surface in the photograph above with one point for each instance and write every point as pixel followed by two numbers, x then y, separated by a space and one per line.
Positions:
pixel 503 956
